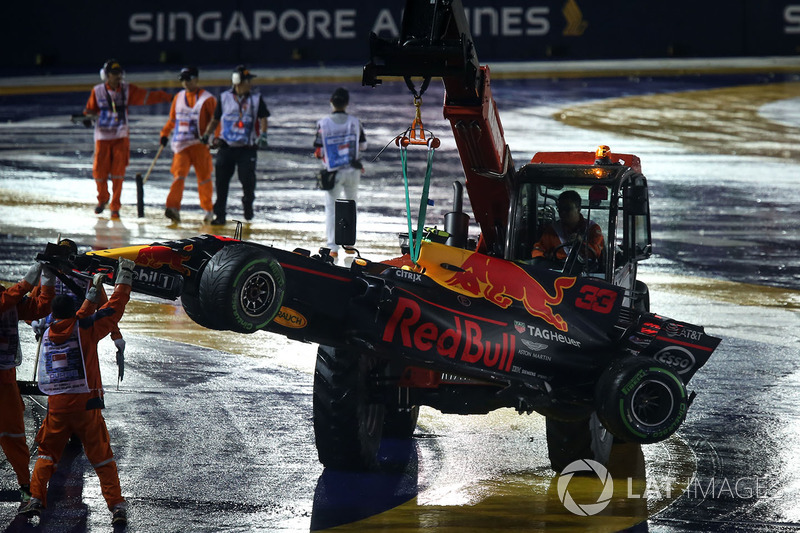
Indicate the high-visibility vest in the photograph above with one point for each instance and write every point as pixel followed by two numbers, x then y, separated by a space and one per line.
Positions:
pixel 339 141
pixel 187 119
pixel 112 120
pixel 239 124
pixel 77 299
pixel 61 366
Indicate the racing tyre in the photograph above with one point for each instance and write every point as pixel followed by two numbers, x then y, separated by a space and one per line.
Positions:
pixel 400 422
pixel 190 301
pixel 639 400
pixel 195 311
pixel 243 287
pixel 348 421
pixel 570 440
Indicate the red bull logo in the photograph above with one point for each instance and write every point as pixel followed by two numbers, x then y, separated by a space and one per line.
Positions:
pixel 155 257
pixel 501 282
pixel 462 339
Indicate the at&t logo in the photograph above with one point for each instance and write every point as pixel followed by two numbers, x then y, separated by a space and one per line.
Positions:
pixel 586 509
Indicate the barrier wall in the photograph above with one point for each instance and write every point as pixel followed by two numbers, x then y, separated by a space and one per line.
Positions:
pixel 283 32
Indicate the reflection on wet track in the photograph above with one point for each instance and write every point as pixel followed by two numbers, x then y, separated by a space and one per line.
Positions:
pixel 213 431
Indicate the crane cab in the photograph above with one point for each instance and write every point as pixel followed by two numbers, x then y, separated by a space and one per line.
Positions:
pixel 613 194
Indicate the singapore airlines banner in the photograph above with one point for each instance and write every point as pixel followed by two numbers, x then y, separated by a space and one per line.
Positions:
pixel 284 32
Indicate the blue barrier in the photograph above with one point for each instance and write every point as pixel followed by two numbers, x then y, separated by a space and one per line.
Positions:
pixel 302 32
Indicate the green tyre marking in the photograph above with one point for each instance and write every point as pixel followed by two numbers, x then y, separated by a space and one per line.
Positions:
pixel 624 419
pixel 635 381
pixel 270 267
pixel 672 375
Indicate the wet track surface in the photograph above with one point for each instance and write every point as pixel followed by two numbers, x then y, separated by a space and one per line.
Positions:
pixel 213 432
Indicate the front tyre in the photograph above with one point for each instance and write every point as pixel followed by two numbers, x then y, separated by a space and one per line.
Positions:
pixel 243 287
pixel 639 400
pixel 348 420
pixel 195 310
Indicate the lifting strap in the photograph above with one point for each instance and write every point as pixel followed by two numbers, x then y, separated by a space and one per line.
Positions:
pixel 415 135
pixel 415 242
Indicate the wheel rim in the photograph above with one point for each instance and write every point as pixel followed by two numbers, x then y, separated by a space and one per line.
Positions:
pixel 652 403
pixel 257 293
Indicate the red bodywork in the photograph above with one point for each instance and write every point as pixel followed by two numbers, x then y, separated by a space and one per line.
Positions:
pixel 479 136
pixel 586 158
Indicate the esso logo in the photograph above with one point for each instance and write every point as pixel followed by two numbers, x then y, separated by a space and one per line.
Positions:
pixel 676 358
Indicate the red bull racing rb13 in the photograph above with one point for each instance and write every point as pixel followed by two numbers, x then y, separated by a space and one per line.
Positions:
pixel 461 325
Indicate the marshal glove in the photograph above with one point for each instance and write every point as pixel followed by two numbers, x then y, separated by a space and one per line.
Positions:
pixel 95 287
pixel 32 276
pixel 262 141
pixel 125 271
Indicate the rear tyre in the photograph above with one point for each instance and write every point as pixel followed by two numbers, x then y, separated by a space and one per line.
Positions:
pixel 568 441
pixel 242 287
pixel 348 421
pixel 639 400
pixel 400 422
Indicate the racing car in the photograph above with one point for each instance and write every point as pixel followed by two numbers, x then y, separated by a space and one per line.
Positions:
pixel 458 324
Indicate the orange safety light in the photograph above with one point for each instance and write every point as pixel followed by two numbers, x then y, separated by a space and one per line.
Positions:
pixel 602 156
pixel 603 152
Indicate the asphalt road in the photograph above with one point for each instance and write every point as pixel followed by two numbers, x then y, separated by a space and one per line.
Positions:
pixel 213 432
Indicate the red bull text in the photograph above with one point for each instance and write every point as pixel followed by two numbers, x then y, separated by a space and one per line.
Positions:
pixel 462 340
